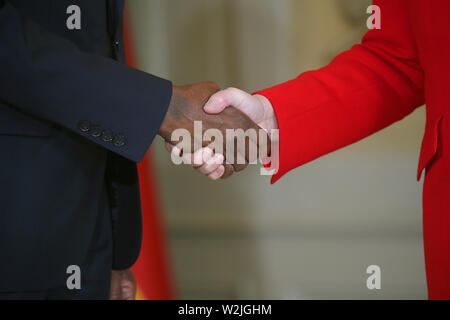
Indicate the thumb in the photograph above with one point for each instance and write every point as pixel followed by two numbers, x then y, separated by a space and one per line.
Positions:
pixel 222 99
pixel 217 102
pixel 238 99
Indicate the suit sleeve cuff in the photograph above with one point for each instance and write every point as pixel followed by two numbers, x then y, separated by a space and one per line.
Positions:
pixel 133 123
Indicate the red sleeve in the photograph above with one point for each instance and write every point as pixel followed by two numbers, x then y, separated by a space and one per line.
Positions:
pixel 362 91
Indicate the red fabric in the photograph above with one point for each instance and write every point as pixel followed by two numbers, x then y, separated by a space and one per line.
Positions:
pixel 151 270
pixel 371 86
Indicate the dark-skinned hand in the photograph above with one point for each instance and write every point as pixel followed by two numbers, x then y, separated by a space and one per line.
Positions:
pixel 123 285
pixel 186 106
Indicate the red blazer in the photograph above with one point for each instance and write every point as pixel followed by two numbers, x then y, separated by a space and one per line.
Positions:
pixel 378 82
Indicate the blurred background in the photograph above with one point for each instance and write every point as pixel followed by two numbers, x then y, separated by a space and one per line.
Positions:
pixel 314 233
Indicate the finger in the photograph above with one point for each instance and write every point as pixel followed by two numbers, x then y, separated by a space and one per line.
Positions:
pixel 202 156
pixel 168 146
pixel 229 170
pixel 128 290
pixel 128 285
pixel 187 158
pixel 114 291
pixel 218 173
pixel 212 164
pixel 173 149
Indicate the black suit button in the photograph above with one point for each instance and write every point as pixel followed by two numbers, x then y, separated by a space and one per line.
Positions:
pixel 119 140
pixel 95 131
pixel 84 126
pixel 107 135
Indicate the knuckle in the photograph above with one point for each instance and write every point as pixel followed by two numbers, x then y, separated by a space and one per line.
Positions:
pixel 234 91
pixel 219 99
pixel 231 90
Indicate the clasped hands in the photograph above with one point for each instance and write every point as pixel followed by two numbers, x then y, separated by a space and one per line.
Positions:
pixel 202 127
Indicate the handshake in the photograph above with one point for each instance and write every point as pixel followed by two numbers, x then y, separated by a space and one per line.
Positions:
pixel 219 132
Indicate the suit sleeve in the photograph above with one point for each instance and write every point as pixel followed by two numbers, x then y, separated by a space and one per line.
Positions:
pixel 48 77
pixel 363 90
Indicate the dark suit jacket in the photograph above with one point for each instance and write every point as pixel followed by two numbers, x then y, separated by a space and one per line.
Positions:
pixel 74 120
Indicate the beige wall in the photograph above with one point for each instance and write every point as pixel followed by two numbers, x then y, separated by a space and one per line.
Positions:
pixel 313 234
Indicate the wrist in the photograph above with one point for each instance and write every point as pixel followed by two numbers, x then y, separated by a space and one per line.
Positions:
pixel 167 124
pixel 164 130
pixel 270 120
